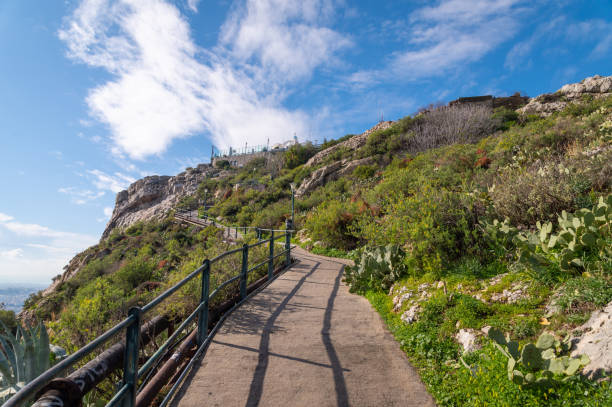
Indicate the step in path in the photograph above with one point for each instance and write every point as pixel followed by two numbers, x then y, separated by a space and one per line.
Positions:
pixel 304 341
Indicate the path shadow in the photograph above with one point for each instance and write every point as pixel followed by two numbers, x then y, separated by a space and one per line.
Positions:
pixel 256 389
pixel 342 398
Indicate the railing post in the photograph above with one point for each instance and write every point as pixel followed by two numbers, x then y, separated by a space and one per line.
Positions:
pixel 203 317
pixel 243 274
pixel 271 262
pixel 130 358
pixel 288 242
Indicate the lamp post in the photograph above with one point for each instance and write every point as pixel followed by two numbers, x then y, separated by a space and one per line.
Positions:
pixel 292 205
pixel 205 196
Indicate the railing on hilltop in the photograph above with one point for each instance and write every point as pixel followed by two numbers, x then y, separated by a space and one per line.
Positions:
pixel 259 232
pixel 231 152
pixel 66 392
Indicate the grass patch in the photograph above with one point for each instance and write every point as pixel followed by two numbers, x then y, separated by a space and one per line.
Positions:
pixel 436 359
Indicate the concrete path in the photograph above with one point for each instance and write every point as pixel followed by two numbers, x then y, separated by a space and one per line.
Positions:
pixel 304 341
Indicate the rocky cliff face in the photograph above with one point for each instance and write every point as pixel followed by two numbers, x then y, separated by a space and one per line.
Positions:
pixel 595 86
pixel 154 196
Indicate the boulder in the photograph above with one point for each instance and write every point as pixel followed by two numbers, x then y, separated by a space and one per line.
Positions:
pixel 329 173
pixel 410 315
pixel 468 339
pixel 595 86
pixel 596 343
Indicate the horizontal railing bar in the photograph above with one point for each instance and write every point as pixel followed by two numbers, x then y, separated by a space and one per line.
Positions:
pixel 118 396
pixel 222 255
pixel 35 385
pixel 167 343
pixel 258 243
pixel 281 253
pixel 231 280
pixel 171 290
pixel 266 261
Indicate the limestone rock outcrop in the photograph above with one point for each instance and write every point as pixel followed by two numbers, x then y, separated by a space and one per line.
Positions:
pixel 329 173
pixel 152 197
pixel 595 86
pixel 596 343
pixel 351 144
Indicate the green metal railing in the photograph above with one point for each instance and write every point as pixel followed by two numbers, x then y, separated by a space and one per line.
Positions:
pixel 128 388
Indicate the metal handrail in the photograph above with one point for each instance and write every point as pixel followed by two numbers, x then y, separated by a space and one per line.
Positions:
pixel 126 394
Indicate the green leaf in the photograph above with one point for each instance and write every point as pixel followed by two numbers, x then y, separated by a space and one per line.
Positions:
pixel 497 336
pixel 513 349
pixel 556 366
pixel 589 239
pixel 545 341
pixel 532 357
pixel 573 366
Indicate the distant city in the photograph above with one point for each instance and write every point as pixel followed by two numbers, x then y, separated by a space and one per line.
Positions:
pixel 13 295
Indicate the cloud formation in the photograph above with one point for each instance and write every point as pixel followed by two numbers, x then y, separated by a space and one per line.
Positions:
pixel 114 183
pixel 41 251
pixel 164 87
pixel 445 36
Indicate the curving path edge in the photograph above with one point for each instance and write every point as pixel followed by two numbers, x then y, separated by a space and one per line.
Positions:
pixel 304 340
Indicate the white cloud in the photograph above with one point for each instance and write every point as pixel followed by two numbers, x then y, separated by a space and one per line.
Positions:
pixel 81 196
pixel 114 183
pixel 547 36
pixel 285 37
pixel 108 211
pixel 193 5
pixel 5 217
pixel 162 90
pixel 447 36
pixel 42 253
pixel 11 254
pixel 596 31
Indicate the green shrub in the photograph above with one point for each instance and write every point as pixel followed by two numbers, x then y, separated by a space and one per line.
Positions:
pixel 582 294
pixel 222 164
pixel 298 154
pixel 331 223
pixel 377 268
pixel 364 171
pixel 435 227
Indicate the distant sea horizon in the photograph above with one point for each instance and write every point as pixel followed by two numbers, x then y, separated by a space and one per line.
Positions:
pixel 13 295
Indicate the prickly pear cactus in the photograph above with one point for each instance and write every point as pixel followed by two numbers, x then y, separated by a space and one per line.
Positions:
pixel 578 235
pixel 539 364
pixel 378 267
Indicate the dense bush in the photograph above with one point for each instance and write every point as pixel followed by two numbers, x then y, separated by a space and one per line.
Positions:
pixel 434 226
pixel 298 154
pixel 331 223
pixel 448 125
pixel 376 268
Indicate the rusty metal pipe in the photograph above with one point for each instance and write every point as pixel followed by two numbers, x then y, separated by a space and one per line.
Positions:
pixel 68 392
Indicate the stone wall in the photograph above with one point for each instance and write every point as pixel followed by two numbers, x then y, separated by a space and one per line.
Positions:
pixel 240 160
pixel 511 102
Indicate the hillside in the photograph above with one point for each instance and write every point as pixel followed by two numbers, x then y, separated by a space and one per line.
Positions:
pixel 463 220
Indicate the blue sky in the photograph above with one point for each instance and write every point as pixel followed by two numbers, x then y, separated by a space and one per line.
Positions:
pixel 95 94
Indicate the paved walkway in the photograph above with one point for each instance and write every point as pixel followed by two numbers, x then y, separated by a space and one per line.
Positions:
pixel 304 341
